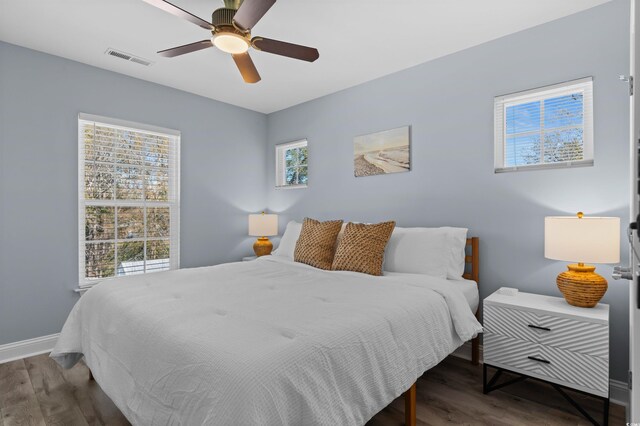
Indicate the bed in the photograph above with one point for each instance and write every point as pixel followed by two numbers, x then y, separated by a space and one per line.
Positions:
pixel 269 341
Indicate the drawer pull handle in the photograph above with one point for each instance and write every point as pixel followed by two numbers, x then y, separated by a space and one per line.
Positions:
pixel 533 358
pixel 537 327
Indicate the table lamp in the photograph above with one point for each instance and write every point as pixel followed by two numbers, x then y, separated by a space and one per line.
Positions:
pixel 582 239
pixel 262 226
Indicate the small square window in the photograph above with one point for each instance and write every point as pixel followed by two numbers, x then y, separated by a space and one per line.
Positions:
pixel 547 127
pixel 291 165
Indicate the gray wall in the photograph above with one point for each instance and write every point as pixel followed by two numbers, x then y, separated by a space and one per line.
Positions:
pixel 449 104
pixel 40 98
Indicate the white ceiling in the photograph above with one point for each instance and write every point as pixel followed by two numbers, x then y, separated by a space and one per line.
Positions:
pixel 358 40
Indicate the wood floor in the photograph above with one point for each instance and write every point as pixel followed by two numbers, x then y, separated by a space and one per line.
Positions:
pixel 35 391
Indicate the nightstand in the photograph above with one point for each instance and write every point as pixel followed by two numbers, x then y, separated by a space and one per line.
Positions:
pixel 248 258
pixel 545 338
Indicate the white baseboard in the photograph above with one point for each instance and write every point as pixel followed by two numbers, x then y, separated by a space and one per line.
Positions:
pixel 27 348
pixel 619 391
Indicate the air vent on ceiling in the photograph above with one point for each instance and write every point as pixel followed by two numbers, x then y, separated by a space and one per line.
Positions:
pixel 127 57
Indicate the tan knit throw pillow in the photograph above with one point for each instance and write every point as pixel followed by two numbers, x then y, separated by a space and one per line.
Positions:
pixel 317 243
pixel 361 247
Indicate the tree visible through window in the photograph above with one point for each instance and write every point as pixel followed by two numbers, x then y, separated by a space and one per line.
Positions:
pixel 128 200
pixel 548 126
pixel 291 164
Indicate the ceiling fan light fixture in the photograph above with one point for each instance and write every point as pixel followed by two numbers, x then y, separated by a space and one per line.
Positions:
pixel 230 43
pixel 231 27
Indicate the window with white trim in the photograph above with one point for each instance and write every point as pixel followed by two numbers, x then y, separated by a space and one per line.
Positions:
pixel 291 165
pixel 547 127
pixel 128 198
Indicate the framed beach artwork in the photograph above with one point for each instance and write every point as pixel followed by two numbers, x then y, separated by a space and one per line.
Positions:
pixel 382 152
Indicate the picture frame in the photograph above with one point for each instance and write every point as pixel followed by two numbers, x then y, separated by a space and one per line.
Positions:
pixel 384 152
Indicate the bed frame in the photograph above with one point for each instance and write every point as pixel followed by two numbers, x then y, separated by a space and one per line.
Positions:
pixel 472 263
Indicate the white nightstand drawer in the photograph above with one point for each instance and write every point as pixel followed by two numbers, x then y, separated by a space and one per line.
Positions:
pixel 561 332
pixel 572 369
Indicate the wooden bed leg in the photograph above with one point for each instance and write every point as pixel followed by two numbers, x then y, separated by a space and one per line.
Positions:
pixel 475 351
pixel 475 345
pixel 410 406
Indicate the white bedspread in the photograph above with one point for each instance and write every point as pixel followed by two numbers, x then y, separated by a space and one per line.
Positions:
pixel 267 342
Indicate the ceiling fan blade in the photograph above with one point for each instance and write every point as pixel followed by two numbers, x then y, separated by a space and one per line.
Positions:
pixel 283 48
pixel 250 12
pixel 246 67
pixel 187 48
pixel 180 13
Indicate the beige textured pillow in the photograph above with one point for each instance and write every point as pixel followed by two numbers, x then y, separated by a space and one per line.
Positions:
pixel 361 247
pixel 317 243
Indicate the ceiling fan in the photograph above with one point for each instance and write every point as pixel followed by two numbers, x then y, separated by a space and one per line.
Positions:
pixel 231 32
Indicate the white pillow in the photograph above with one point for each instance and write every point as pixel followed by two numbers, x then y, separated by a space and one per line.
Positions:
pixel 418 251
pixel 287 245
pixel 457 243
pixel 437 252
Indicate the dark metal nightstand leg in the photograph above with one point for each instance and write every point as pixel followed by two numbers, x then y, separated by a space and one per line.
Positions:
pixel 491 386
pixel 488 387
pixel 575 404
pixel 605 421
pixel 484 378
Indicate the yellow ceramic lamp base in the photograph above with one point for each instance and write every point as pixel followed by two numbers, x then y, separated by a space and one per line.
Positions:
pixel 262 246
pixel 581 286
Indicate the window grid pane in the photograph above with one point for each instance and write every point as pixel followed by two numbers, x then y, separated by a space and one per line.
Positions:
pixel 99 223
pixel 131 258
pixel 563 145
pixel 158 254
pixel 99 260
pixel 522 150
pixel 98 181
pixel 564 111
pixel 523 118
pixel 130 222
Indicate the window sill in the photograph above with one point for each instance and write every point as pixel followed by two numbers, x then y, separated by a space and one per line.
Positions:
pixel 302 186
pixel 83 287
pixel 81 290
pixel 563 165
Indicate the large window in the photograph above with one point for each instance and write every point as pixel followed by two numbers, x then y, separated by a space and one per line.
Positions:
pixel 129 198
pixel 547 127
pixel 291 165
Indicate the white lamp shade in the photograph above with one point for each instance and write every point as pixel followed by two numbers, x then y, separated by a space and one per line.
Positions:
pixel 263 225
pixel 586 240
